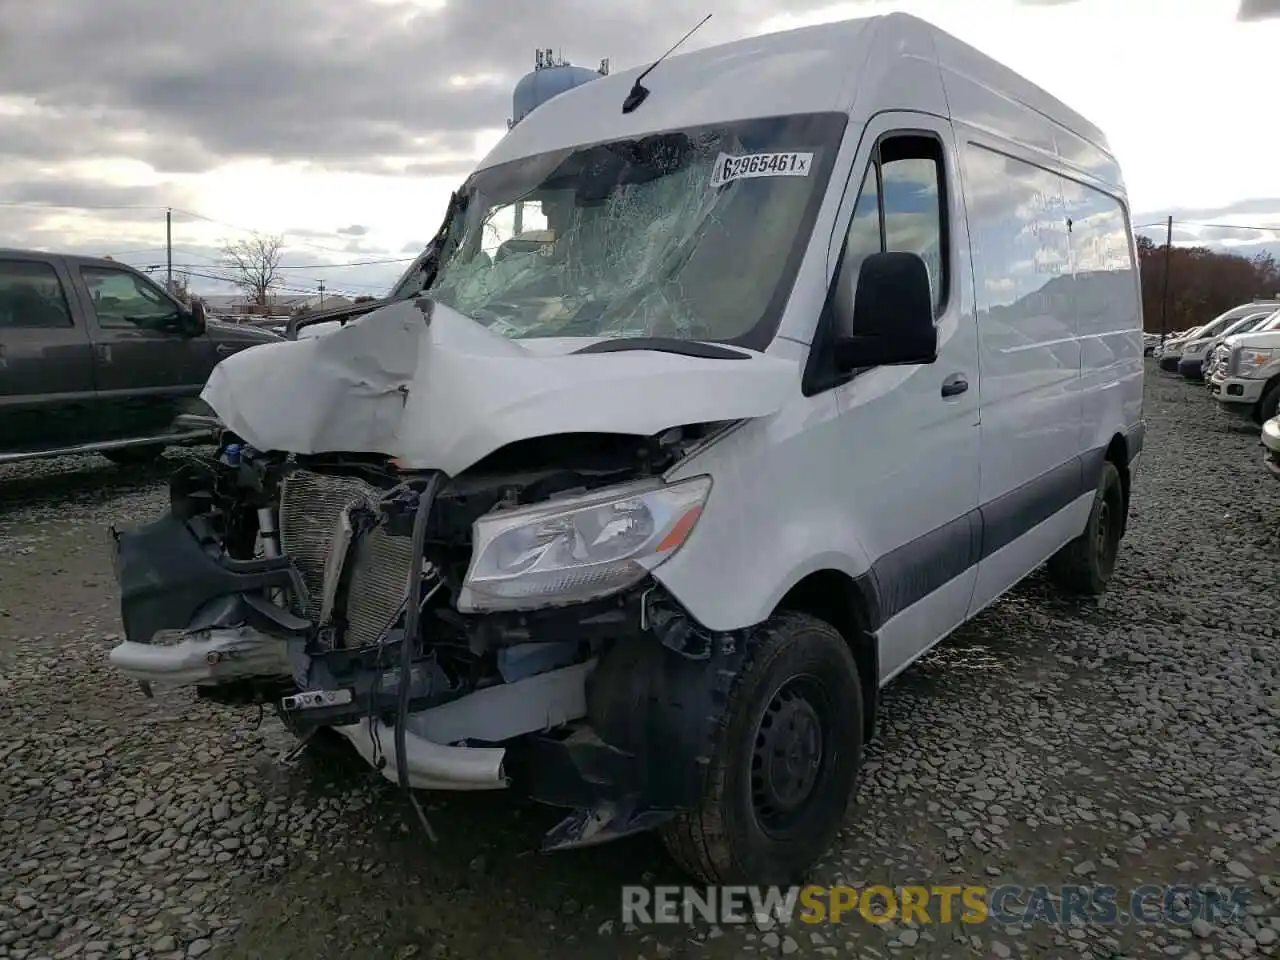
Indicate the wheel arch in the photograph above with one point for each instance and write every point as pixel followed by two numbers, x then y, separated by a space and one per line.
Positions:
pixel 1118 455
pixel 850 605
pixel 1273 383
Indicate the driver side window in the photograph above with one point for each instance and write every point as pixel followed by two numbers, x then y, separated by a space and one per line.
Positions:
pixel 901 210
pixel 123 300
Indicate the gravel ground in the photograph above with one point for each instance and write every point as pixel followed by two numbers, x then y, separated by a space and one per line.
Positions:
pixel 1128 741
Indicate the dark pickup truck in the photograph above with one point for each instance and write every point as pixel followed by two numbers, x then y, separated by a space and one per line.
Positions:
pixel 95 357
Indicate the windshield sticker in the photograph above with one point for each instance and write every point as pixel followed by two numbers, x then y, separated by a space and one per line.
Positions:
pixel 752 165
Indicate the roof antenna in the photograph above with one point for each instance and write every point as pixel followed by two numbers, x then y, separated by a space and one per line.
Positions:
pixel 639 92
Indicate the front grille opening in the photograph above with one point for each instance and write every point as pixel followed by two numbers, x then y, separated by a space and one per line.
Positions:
pixel 377 569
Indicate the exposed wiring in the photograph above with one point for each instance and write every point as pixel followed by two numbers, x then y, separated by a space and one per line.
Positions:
pixel 1262 228
pixel 413 603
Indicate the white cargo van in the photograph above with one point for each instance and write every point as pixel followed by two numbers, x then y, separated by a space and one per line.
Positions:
pixel 824 341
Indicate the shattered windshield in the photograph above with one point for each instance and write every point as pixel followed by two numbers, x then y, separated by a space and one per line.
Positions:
pixel 693 234
pixel 411 280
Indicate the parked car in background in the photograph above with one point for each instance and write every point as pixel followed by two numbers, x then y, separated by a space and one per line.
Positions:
pixel 1172 347
pixel 1221 346
pixel 95 357
pixel 1246 373
pixel 1271 444
pixel 1171 358
pixel 1196 351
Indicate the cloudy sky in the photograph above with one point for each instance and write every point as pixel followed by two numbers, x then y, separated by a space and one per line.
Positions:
pixel 343 124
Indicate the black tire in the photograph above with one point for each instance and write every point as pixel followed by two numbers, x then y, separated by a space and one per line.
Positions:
pixel 134 456
pixel 1084 566
pixel 1268 406
pixel 799 679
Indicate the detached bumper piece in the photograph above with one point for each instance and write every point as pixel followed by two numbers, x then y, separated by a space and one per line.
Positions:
pixel 431 765
pixel 171 574
pixel 202 657
pixel 206 612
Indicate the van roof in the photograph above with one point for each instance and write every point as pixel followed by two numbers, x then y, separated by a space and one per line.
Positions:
pixel 849 66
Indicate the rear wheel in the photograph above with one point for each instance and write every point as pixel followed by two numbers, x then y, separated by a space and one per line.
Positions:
pixel 784 762
pixel 134 456
pixel 1084 566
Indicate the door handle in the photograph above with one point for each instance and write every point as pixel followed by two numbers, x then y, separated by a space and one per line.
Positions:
pixel 954 385
pixel 225 348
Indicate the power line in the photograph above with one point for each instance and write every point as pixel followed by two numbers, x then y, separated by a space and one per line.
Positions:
pixel 1262 228
pixel 42 204
pixel 352 263
pixel 48 205
pixel 315 266
pixel 236 281
pixel 1230 226
pixel 160 249
pixel 189 267
pixel 232 226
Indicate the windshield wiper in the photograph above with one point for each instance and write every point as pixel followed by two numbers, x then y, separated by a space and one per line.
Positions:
pixel 687 348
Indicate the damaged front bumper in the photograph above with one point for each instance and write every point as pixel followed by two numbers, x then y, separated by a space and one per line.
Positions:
pixel 621 737
pixel 431 765
pixel 190 658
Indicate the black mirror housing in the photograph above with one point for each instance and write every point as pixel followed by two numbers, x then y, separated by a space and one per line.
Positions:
pixel 892 314
pixel 196 321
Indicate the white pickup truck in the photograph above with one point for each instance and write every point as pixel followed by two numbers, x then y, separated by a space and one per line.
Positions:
pixel 1246 373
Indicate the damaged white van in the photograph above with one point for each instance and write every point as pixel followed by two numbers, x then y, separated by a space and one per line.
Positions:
pixel 729 394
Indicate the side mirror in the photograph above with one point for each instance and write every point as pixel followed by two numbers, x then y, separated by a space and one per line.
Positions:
pixel 196 322
pixel 892 321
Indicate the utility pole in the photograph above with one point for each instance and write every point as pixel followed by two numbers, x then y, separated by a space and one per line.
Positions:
pixel 1164 296
pixel 168 249
pixel 321 282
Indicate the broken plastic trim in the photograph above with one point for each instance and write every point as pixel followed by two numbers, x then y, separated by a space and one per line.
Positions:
pixel 203 656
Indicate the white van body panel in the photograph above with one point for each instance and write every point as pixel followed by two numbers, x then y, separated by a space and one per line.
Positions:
pixel 798 71
pixel 932 504
pixel 851 483
pixel 1044 317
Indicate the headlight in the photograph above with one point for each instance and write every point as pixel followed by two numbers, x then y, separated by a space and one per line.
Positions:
pixel 579 548
pixel 1251 360
pixel 1195 348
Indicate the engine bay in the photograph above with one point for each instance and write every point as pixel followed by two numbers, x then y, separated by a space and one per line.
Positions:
pixel 237 505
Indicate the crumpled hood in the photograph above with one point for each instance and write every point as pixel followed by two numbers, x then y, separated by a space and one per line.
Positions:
pixel 436 390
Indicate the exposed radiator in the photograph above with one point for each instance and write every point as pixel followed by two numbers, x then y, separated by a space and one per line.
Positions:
pixel 311 507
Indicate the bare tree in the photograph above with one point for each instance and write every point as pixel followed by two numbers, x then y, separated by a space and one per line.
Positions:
pixel 180 286
pixel 254 265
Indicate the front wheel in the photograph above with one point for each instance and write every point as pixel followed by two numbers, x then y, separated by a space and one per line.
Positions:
pixel 1084 566
pixel 784 762
pixel 1268 406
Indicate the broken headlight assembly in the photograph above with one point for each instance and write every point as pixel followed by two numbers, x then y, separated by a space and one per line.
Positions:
pixel 578 548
